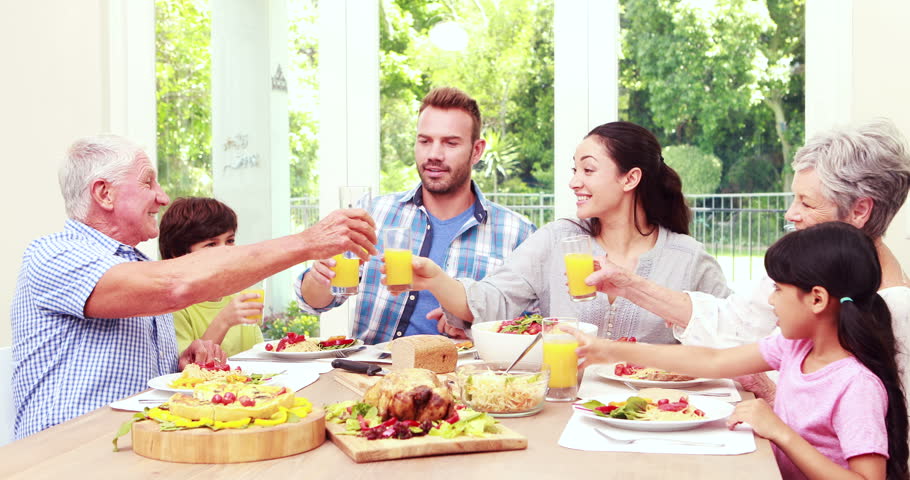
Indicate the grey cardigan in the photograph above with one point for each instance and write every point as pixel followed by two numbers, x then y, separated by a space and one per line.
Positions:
pixel 534 274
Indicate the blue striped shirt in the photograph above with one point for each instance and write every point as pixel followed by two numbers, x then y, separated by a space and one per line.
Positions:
pixel 64 363
pixel 481 245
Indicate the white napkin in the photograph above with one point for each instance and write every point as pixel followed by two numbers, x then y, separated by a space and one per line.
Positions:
pixel 579 434
pixel 595 386
pixel 133 403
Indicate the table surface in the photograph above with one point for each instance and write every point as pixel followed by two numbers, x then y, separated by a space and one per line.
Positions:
pixel 83 444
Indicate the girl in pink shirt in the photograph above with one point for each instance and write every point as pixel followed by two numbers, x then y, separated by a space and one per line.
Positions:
pixel 840 408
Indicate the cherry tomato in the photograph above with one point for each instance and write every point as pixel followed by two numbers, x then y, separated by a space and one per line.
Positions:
pixel 619 369
pixel 292 337
pixel 217 398
pixel 246 401
pixel 229 398
pixel 269 347
pixel 663 401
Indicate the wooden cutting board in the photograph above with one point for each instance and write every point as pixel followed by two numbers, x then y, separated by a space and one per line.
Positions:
pixel 362 450
pixel 201 445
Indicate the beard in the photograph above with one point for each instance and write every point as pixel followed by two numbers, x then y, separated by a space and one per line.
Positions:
pixel 458 176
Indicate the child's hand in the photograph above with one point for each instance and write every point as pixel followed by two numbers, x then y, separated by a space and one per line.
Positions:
pixel 591 349
pixel 322 271
pixel 237 310
pixel 759 414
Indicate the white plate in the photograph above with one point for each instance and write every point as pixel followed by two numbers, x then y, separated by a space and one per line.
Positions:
pixel 384 346
pixel 714 410
pixel 163 382
pixel 260 347
pixel 607 372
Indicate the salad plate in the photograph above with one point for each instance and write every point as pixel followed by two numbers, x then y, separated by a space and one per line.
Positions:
pixel 608 372
pixel 260 347
pixel 714 410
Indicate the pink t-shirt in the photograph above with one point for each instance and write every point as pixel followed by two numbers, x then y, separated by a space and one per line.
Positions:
pixel 839 409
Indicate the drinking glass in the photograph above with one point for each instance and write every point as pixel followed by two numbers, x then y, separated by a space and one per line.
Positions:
pixel 559 353
pixel 577 253
pixel 259 289
pixel 397 252
pixel 346 281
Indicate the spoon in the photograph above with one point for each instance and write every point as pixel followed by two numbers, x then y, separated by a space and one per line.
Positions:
pixel 525 352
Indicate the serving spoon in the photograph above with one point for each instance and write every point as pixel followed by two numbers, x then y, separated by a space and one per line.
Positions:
pixel 525 352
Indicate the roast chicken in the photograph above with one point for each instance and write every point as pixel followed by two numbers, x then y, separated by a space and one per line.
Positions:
pixel 411 394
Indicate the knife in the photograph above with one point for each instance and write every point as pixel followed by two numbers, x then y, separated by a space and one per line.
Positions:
pixel 359 367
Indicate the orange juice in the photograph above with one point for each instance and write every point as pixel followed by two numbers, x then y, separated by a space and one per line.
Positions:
pixel 347 271
pixel 578 267
pixel 563 363
pixel 259 299
pixel 398 267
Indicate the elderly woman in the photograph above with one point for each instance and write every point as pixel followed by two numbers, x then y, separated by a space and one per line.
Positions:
pixel 858 176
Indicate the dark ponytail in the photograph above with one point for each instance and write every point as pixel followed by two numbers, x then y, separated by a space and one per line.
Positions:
pixel 660 189
pixel 843 260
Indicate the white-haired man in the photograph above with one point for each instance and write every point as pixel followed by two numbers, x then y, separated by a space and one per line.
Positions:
pixel 90 316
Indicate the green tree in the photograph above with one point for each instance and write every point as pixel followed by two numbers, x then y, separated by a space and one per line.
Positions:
pixel 724 75
pixel 507 67
pixel 499 160
pixel 699 171
pixel 183 71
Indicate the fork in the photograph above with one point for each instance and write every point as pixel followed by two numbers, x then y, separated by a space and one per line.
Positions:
pixel 691 392
pixel 345 353
pixel 627 441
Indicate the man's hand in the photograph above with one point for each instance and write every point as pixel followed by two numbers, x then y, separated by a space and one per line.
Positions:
pixel 201 351
pixel 238 309
pixel 444 328
pixel 349 230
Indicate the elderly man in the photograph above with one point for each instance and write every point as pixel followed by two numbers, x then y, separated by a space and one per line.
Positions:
pixel 449 219
pixel 90 315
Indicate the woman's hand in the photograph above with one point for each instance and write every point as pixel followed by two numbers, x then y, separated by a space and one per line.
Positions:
pixel 762 418
pixel 238 309
pixel 609 277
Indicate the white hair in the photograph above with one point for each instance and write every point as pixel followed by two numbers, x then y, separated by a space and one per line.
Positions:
pixel 105 157
pixel 868 161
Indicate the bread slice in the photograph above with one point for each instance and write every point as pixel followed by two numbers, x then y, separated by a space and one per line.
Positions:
pixel 433 352
pixel 268 400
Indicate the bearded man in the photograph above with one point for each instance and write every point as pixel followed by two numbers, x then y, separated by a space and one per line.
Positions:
pixel 449 219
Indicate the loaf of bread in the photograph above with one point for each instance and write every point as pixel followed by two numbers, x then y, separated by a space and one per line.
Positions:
pixel 433 352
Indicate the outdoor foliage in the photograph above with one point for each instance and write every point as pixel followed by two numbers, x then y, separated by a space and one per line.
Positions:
pixel 183 69
pixel 699 171
pixel 723 75
pixel 507 67
pixel 294 320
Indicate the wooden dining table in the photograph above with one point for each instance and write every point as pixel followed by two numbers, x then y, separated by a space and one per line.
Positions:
pixel 82 447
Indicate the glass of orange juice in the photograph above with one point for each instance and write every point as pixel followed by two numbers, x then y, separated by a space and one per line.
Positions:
pixel 259 290
pixel 577 252
pixel 399 275
pixel 346 281
pixel 559 353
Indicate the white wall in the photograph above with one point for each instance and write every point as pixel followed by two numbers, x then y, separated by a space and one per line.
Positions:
pixel 51 92
pixel 70 69
pixel 855 71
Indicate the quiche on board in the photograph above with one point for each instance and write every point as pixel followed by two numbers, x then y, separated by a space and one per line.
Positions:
pixel 231 401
